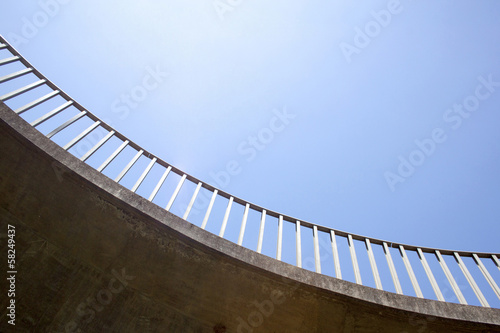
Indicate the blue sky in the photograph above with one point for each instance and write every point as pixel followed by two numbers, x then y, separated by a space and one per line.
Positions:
pixel 361 83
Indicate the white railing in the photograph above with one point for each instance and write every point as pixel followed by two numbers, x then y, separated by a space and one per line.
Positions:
pixel 66 112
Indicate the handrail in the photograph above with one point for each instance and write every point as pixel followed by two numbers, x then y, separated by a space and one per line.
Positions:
pixel 316 229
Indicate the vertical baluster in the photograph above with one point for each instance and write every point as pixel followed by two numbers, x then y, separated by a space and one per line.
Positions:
pixel 413 278
pixel 450 278
pixel 298 244
pixel 129 165
pixel 36 102
pixel 144 174
pixel 176 192
pixel 66 124
pixel 336 262
pixel 81 135
pixel 354 259
pixel 471 281
pixel 280 238
pixel 209 209
pixel 159 184
pixel 51 113
pixel 373 264
pixel 243 224
pixel 97 146
pixel 226 217
pixel 112 157
pixel 487 275
pixel 22 90
pixel 496 261
pixel 193 199
pixel 15 75
pixel 317 260
pixel 428 271
pixel 394 274
pixel 6 61
pixel 261 231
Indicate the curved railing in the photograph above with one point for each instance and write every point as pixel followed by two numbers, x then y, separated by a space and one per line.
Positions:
pixel 65 113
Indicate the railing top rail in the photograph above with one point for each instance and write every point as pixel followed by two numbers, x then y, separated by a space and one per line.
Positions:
pixel 5 44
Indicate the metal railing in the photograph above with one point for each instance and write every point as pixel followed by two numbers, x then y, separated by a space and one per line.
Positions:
pixel 488 283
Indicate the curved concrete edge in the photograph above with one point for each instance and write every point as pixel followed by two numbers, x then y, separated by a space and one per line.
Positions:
pixel 268 266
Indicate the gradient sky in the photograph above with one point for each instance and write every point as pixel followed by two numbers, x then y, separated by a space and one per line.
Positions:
pixel 358 101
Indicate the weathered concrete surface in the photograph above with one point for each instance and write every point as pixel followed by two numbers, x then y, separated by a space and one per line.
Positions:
pixel 94 257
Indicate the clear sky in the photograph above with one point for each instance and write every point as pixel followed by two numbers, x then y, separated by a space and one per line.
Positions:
pixel 379 118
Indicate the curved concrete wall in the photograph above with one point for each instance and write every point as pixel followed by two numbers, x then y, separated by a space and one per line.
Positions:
pixel 94 257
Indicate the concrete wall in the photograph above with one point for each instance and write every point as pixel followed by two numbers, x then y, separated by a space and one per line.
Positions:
pixel 91 256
